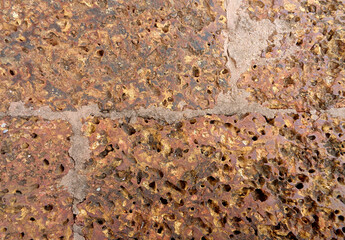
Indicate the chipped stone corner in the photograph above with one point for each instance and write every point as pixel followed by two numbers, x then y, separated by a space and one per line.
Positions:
pixel 247 38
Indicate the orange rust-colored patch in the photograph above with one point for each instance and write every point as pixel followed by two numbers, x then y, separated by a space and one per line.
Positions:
pixel 215 177
pixel 118 54
pixel 34 157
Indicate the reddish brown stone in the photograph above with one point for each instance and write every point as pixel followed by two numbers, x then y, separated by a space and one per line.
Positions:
pixel 119 54
pixel 215 177
pixel 34 157
pixel 304 69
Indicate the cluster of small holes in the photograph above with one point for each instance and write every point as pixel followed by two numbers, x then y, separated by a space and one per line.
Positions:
pixel 222 183
pixel 29 177
pixel 146 44
pixel 316 85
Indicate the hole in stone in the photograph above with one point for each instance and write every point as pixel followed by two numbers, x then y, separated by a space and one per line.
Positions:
pixel 152 185
pixel 100 53
pixel 46 162
pixel 237 232
pixel 312 137
pixel 182 184
pixel 128 129
pixel 12 72
pixel 260 195
pixel 299 185
pixel 193 191
pixel 338 232
pixel 237 219
pixel 225 71
pixel 65 222
pixel 212 180
pixel 100 221
pixel 340 180
pixel 196 72
pixel 48 207
pixel 163 201
pixel 160 230
pixel 33 135
pixel 61 168
pixel 303 177
pixel 165 28
pixel 226 188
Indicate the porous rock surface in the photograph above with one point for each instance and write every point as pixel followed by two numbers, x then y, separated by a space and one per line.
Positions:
pixel 198 119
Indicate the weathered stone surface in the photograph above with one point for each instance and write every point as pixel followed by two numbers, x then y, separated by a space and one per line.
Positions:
pixel 215 177
pixel 302 68
pixel 119 54
pixel 212 177
pixel 34 157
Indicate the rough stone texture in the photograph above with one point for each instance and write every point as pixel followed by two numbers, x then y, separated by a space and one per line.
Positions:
pixel 215 177
pixel 118 54
pixel 198 119
pixel 301 68
pixel 34 157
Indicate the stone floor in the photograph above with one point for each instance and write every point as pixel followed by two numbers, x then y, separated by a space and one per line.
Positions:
pixel 175 119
